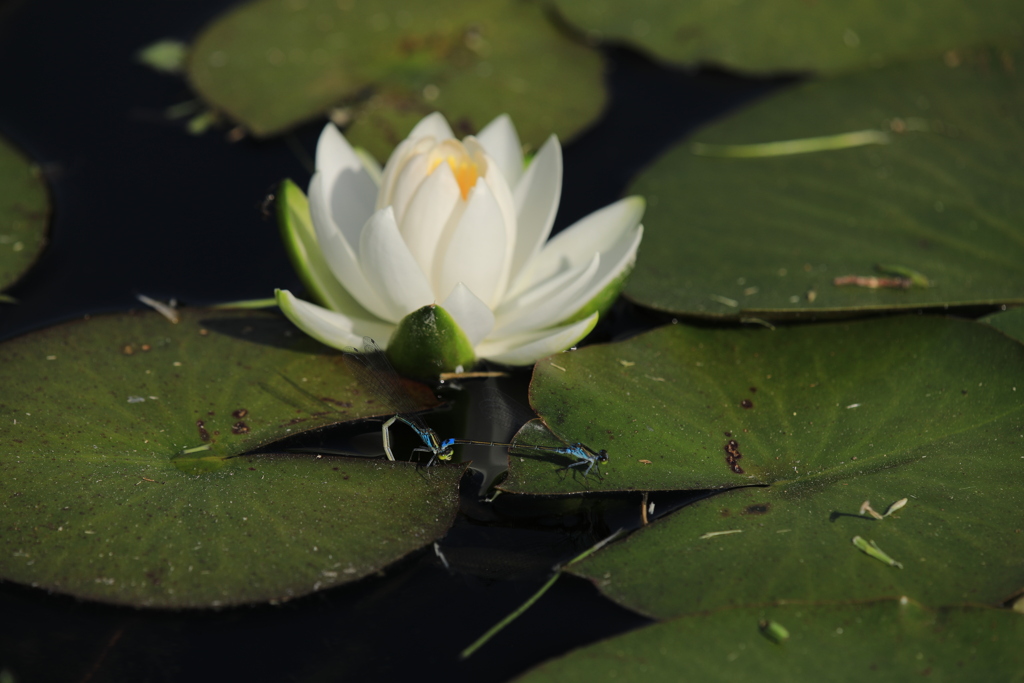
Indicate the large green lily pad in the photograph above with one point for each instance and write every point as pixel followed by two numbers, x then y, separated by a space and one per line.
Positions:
pixel 100 498
pixel 271 64
pixel 766 237
pixel 888 640
pixel 958 539
pixel 796 35
pixel 823 399
pixel 24 214
pixel 822 418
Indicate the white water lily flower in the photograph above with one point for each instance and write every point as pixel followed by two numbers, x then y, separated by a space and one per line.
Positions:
pixel 457 224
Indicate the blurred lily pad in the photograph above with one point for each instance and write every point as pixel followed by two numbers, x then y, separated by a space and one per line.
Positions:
pixel 795 35
pixel 124 474
pixel 24 214
pixel 887 640
pixel 272 64
pixel 776 236
pixel 166 56
pixel 808 422
pixel 1009 322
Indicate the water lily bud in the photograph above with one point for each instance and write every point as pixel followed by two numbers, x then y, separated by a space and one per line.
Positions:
pixel 428 342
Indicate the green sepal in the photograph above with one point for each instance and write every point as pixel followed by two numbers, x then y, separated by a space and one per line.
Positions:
pixel 299 236
pixel 428 342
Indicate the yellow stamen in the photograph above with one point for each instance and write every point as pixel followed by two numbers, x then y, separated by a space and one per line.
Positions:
pixel 464 168
pixel 466 174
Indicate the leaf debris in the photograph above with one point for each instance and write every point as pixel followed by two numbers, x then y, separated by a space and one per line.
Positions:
pixel 774 631
pixel 160 307
pixel 866 507
pixel 872 549
pixel 872 282
pixel 712 534
pixel 895 506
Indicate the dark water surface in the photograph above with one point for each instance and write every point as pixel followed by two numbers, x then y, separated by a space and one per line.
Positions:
pixel 142 207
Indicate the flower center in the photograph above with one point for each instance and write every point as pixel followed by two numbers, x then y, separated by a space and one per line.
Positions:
pixel 465 169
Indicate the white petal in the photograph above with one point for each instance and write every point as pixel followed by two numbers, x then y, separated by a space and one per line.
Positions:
pixel 432 125
pixel 473 316
pixel 503 195
pixel 429 214
pixel 555 301
pixel 339 252
pixel 501 142
pixel 407 183
pixel 525 349
pixel 348 190
pixel 407 150
pixel 316 274
pixel 600 231
pixel 475 252
pixel 372 166
pixel 337 161
pixel 333 329
pixel 613 262
pixel 498 185
pixel 391 269
pixel 537 196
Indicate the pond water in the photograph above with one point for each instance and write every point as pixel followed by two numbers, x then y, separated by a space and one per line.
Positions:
pixel 141 207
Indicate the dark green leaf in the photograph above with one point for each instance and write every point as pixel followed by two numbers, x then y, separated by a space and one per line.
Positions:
pixel 888 640
pixel 788 397
pixel 823 418
pixel 106 492
pixel 766 237
pixel 270 65
pixel 795 35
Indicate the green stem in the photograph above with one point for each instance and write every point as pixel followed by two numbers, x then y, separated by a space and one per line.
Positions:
pixel 491 632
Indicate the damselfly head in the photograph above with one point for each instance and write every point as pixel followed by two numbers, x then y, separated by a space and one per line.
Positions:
pixel 601 456
pixel 445 449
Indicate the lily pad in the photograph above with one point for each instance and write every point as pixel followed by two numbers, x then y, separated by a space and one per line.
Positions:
pixel 1009 322
pixel 24 214
pixel 795 35
pixel 768 237
pixel 124 474
pixel 888 640
pixel 808 422
pixel 790 397
pixel 270 65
